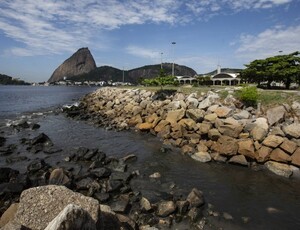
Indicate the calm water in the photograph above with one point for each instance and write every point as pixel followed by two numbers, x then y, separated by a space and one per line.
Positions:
pixel 269 201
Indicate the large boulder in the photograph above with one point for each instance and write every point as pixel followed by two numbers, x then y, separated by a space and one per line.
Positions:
pixel 231 130
pixel 279 168
pixel 296 157
pixel 246 148
pixel 72 217
pixel 275 115
pixel 273 141
pixel 226 146
pixel 223 111
pixel 280 156
pixel 40 205
pixel 166 208
pixel 292 130
pixel 201 156
pixel 195 114
pixel 209 100
pixel 288 146
pixel 238 159
pixel 263 154
pixel 175 115
pixel 79 63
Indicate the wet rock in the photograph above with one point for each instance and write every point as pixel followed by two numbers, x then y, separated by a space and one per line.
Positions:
pixel 166 208
pixel 145 204
pixel 100 173
pixel 279 168
pixel 11 160
pixel 121 205
pixel 195 198
pixel 275 115
pixel 34 126
pixel 117 165
pixel 84 183
pixel 194 214
pixel 155 175
pixel 6 174
pixel 108 219
pixel 11 188
pixel 40 205
pixel 227 216
pixel 2 141
pixel 125 177
pixel 238 159
pixel 42 139
pixel 7 150
pixel 114 186
pixel 101 197
pixel 36 165
pixel 201 156
pixel 51 150
pixel 182 206
pixel 129 158
pixel 72 217
pixel 59 177
pixel 9 214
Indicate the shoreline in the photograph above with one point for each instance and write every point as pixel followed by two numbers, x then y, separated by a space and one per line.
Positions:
pixel 203 127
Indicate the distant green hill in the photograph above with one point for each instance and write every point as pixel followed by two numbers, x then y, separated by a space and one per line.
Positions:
pixel 7 80
pixel 108 73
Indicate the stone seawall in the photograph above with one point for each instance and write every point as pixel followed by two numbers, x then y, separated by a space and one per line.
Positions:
pixel 205 127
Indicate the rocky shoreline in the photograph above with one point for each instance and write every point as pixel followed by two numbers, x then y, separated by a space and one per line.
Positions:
pixel 94 191
pixel 203 126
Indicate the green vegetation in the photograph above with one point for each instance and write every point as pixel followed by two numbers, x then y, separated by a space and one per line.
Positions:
pixel 161 80
pixel 282 68
pixel 7 80
pixel 248 95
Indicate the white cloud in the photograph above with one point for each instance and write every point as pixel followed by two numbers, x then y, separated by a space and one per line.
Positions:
pixel 51 26
pixel 268 43
pixel 143 52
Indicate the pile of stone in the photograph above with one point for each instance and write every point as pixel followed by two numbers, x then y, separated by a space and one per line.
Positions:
pixel 202 126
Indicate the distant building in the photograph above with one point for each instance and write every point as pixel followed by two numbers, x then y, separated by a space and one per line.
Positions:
pixel 226 77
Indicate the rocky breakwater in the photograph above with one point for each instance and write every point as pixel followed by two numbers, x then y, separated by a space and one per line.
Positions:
pixel 203 126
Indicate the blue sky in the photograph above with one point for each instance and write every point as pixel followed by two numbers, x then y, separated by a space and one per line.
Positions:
pixel 36 36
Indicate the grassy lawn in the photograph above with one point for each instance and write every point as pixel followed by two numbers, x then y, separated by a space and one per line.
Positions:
pixel 267 98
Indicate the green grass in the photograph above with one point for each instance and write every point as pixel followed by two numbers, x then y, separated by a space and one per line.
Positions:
pixel 267 98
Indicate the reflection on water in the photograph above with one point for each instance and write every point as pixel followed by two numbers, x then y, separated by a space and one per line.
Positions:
pixel 269 201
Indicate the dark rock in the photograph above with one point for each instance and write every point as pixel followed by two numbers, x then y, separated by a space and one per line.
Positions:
pixel 2 141
pixel 183 206
pixel 90 154
pixel 42 139
pixel 34 126
pixel 100 156
pixel 80 153
pixel 84 183
pixel 108 219
pixel 72 217
pixel 8 150
pixel 117 165
pixel 7 173
pixel 194 214
pixel 195 198
pixel 120 206
pixel 10 160
pixel 114 185
pixel 51 150
pixel 100 172
pixel 21 125
pixel 166 208
pixel 59 177
pixel 36 165
pixel 96 164
pixel 125 177
pixel 15 188
pixel 101 197
pixel 129 158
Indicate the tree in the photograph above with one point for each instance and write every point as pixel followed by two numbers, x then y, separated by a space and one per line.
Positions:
pixel 161 80
pixel 280 68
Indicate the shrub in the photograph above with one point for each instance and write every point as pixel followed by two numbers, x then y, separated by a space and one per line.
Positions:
pixel 248 95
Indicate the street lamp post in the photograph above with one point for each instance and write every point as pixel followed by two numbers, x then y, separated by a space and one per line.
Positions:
pixel 173 43
pixel 161 54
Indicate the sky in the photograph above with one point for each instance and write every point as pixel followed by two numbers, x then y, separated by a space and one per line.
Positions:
pixel 36 36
